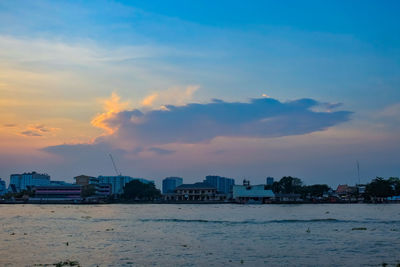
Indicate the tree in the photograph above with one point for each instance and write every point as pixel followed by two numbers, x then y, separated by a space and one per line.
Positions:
pixel 379 187
pixel 316 190
pixel 395 183
pixel 287 185
pixel 290 185
pixel 136 190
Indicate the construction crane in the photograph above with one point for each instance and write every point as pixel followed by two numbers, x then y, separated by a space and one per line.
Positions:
pixel 115 166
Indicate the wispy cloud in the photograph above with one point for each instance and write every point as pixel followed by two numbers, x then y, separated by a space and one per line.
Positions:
pixel 30 133
pixel 9 125
pixel 36 130
pixel 161 151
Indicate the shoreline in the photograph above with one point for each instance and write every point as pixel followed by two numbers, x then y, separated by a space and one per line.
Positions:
pixel 179 203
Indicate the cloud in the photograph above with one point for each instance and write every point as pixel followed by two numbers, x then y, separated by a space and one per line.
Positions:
pixel 131 130
pixel 161 151
pixel 112 107
pixel 176 95
pixel 149 100
pixel 194 123
pixel 30 133
pixel 36 130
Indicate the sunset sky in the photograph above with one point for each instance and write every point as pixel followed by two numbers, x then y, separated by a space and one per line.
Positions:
pixel 243 89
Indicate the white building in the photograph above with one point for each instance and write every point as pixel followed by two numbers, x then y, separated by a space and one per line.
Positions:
pixel 252 194
pixel 24 181
pixel 118 182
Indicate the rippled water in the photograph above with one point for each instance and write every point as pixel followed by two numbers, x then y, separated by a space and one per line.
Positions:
pixel 201 235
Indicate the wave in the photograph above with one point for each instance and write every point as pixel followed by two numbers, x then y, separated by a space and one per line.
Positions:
pixel 237 222
pixel 326 220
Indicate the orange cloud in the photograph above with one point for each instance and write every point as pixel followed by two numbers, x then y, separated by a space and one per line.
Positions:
pixel 149 100
pixel 173 96
pixel 112 106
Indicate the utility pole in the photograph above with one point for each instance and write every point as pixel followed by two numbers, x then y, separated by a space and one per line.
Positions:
pixel 358 172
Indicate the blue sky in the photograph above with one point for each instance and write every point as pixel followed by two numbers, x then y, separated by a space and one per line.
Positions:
pixel 70 56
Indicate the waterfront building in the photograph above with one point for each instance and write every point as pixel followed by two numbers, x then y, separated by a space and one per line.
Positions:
pixel 346 192
pixel 85 180
pixel 57 193
pixel 103 190
pixel 118 182
pixel 3 188
pixel 270 180
pixel 247 193
pixel 170 183
pixel 195 192
pixel 288 197
pixel 224 185
pixel 19 182
pixel 59 183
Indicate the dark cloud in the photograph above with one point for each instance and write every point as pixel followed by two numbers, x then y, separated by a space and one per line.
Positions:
pixel 9 125
pixel 42 128
pixel 30 133
pixel 194 123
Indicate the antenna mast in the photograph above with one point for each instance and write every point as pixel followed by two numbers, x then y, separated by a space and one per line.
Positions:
pixel 115 167
pixel 358 172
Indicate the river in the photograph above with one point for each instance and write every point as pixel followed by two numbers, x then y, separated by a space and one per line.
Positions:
pixel 201 235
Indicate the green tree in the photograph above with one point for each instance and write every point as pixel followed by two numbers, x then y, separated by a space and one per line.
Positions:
pixel 379 187
pixel 287 185
pixel 136 190
pixel 316 190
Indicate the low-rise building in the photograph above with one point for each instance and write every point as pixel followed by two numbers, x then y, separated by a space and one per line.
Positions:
pixel 54 193
pixel 288 197
pixel 247 193
pixel 346 192
pixel 195 192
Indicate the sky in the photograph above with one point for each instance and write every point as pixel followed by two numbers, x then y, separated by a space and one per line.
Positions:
pixel 195 88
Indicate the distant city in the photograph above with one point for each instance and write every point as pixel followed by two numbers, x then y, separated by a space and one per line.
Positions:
pixel 34 187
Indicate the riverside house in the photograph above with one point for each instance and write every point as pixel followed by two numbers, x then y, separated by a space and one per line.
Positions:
pixel 194 192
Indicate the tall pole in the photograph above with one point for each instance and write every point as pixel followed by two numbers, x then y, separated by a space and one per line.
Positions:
pixel 115 167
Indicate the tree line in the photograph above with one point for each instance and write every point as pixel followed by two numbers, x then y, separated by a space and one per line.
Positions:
pixel 377 188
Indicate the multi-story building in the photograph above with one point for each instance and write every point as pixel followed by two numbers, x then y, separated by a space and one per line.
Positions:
pixel 118 182
pixel 170 183
pixel 103 190
pixel 28 180
pixel 57 193
pixel 85 180
pixel 195 192
pixel 3 188
pixel 224 185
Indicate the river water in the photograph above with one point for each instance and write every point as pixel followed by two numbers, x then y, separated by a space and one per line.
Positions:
pixel 200 235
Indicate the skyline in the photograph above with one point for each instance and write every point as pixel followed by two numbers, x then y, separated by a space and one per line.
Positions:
pixel 190 90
